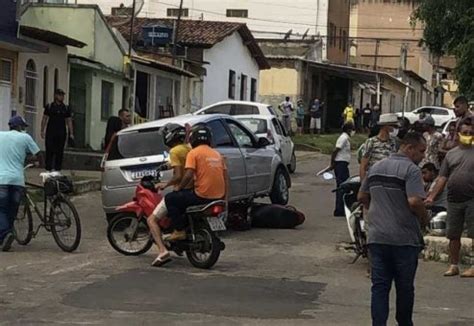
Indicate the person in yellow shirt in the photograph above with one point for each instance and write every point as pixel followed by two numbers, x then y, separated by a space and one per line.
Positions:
pixel 206 167
pixel 175 139
pixel 349 114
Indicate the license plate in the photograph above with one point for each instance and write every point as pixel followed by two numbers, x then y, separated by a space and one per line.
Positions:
pixel 216 224
pixel 143 173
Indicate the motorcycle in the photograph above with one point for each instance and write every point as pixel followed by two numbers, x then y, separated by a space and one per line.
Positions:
pixel 353 212
pixel 129 234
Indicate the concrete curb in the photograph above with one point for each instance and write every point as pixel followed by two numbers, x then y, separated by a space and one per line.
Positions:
pixel 436 249
pixel 84 186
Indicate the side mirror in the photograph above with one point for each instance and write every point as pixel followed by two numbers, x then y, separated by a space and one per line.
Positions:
pixel 263 142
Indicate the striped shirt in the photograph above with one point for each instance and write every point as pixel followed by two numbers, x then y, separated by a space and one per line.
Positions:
pixel 390 220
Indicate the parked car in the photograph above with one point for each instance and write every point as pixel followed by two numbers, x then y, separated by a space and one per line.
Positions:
pixel 451 122
pixel 237 108
pixel 440 115
pixel 255 168
pixel 270 127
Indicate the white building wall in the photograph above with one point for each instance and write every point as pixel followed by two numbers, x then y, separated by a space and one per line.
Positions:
pixel 230 54
pixel 56 58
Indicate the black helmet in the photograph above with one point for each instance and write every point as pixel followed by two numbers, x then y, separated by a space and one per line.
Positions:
pixel 173 133
pixel 200 135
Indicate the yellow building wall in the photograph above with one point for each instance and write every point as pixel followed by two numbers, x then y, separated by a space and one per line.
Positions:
pixel 279 81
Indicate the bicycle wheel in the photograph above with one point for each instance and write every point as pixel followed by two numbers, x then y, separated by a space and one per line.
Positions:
pixel 65 224
pixel 23 224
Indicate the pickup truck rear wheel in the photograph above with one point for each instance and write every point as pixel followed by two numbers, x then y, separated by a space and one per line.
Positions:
pixel 280 193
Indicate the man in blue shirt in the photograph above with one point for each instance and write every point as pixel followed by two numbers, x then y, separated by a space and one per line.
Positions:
pixel 15 147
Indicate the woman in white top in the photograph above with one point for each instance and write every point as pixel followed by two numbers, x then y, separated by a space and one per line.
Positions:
pixel 340 159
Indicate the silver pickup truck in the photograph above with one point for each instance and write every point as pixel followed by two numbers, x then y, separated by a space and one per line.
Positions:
pixel 255 168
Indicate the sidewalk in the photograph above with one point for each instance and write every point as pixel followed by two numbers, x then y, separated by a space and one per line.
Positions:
pixel 84 181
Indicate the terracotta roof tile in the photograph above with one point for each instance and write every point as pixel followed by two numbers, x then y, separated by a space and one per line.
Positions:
pixel 193 33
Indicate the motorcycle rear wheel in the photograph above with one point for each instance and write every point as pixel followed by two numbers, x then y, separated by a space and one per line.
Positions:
pixel 128 235
pixel 360 239
pixel 207 249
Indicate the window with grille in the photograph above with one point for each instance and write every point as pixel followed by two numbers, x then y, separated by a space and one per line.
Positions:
pixel 174 12
pixel 56 79
pixel 6 74
pixel 253 90
pixel 31 76
pixel 231 84
pixel 240 13
pixel 345 41
pixel 243 87
pixel 107 100
pixel 45 86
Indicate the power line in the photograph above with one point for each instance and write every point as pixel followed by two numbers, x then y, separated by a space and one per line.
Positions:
pixel 287 22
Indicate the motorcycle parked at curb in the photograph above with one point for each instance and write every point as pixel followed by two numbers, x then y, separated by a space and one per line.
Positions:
pixel 128 231
pixel 353 211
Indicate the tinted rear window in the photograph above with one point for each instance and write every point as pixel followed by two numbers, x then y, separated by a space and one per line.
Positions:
pixel 146 142
pixel 257 126
pixel 242 109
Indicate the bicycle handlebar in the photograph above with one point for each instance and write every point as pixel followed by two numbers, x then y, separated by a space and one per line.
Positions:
pixel 28 166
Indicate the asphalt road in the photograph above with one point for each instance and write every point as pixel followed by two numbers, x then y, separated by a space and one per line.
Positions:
pixel 264 277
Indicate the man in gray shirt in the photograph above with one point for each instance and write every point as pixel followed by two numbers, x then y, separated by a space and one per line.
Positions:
pixel 457 173
pixel 393 193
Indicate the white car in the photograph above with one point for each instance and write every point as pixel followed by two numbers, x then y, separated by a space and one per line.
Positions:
pixel 268 126
pixel 450 123
pixel 237 108
pixel 440 115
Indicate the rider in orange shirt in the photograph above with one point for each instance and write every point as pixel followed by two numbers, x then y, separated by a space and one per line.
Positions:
pixel 207 168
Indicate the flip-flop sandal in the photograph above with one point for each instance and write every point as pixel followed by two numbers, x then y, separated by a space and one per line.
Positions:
pixel 160 261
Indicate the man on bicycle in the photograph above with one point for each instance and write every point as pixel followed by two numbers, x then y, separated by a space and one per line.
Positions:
pixel 207 168
pixel 15 146
pixel 174 138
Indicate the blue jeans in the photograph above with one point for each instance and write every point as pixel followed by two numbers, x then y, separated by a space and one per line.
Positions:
pixel 10 197
pixel 341 170
pixel 393 263
pixel 177 202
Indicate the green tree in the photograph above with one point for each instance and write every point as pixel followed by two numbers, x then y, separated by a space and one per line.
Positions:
pixel 449 29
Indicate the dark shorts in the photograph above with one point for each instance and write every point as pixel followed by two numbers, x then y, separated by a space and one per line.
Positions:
pixel 299 122
pixel 458 215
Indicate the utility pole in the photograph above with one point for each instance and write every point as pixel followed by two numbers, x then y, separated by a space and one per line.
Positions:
pixel 377 46
pixel 176 32
pixel 403 59
pixel 132 23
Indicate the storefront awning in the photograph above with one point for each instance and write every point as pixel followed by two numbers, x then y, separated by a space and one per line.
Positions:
pixel 162 66
pixel 356 74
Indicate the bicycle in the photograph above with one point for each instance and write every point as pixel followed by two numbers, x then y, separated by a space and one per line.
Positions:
pixel 60 220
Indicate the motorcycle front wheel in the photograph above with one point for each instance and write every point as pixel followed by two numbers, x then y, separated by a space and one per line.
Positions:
pixel 206 249
pixel 129 235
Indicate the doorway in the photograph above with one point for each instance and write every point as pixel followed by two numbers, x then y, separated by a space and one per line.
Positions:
pixel 5 100
pixel 77 101
pixel 336 101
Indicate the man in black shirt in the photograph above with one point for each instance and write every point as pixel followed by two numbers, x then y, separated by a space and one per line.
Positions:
pixel 56 122
pixel 367 114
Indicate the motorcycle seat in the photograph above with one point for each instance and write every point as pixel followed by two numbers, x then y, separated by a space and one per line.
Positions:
pixel 202 208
